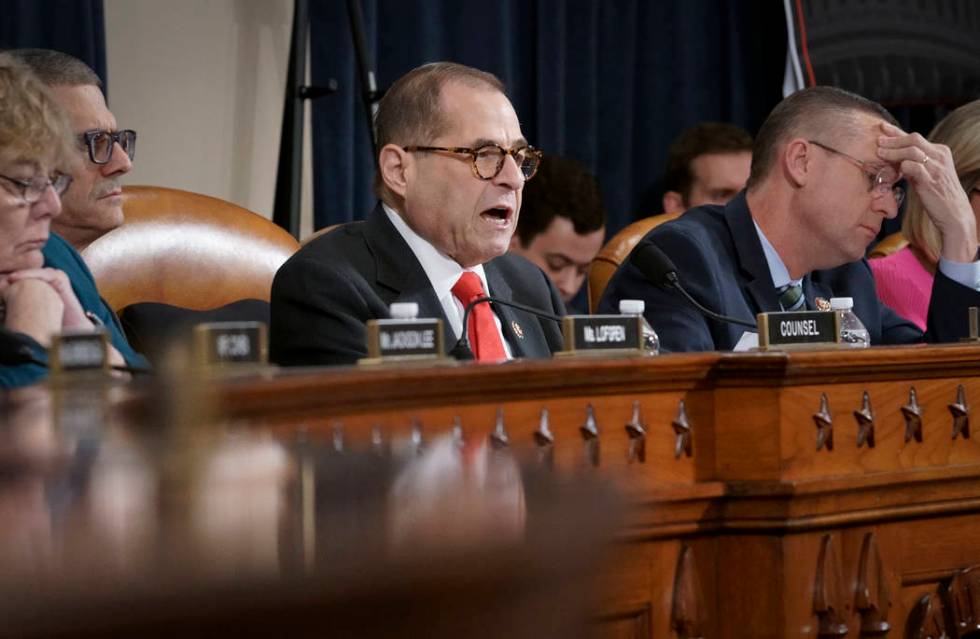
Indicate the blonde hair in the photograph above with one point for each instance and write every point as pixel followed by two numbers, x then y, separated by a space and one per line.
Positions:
pixel 33 128
pixel 960 131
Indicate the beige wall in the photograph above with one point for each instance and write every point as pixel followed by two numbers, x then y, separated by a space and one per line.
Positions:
pixel 202 82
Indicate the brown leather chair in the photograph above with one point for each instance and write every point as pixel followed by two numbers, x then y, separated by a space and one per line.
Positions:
pixel 615 251
pixel 891 243
pixel 187 250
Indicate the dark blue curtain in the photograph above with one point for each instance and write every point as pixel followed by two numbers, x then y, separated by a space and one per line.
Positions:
pixel 72 26
pixel 609 83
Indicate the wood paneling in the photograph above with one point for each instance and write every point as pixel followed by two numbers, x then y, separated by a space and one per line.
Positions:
pixel 781 534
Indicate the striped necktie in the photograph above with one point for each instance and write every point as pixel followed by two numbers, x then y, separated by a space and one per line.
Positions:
pixel 791 297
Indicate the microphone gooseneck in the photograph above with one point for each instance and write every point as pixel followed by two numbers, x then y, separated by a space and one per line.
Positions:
pixel 660 270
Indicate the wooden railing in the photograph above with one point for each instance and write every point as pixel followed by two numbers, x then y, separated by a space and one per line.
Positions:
pixel 813 494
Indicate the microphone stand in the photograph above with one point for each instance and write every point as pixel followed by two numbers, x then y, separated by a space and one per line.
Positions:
pixel 654 264
pixel 675 283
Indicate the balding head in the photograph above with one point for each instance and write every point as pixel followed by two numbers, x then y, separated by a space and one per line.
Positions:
pixel 411 111
pixel 824 112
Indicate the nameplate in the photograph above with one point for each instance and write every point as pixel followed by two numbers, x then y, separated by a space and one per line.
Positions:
pixel 602 333
pixel 220 343
pixel 80 351
pixel 798 329
pixel 399 339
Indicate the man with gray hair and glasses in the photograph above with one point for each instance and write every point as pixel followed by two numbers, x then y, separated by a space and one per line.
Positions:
pixel 827 168
pixel 452 167
pixel 92 206
pixel 45 288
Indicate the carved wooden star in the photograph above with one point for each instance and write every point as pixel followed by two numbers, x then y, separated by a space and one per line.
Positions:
pixel 866 423
pixel 638 436
pixel 417 436
pixel 682 433
pixel 913 418
pixel 590 433
pixel 961 414
pixel 458 438
pixel 377 440
pixel 543 436
pixel 825 424
pixel 499 438
pixel 545 441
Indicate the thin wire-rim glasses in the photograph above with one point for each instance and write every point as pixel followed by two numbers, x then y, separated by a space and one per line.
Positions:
pixel 33 190
pixel 880 185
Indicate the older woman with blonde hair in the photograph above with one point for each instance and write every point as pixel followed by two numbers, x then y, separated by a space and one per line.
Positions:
pixel 904 278
pixel 37 298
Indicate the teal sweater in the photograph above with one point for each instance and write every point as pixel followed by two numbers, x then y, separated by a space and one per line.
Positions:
pixel 59 254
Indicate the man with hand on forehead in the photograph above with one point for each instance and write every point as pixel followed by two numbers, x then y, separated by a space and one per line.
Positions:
pixel 826 171
pixel 452 165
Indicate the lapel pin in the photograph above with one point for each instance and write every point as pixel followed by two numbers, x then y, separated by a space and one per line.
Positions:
pixel 821 304
pixel 517 330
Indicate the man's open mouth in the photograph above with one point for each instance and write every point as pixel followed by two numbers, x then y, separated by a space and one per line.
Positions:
pixel 501 213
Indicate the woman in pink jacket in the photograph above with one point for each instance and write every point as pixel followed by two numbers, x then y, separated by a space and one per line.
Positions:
pixel 904 278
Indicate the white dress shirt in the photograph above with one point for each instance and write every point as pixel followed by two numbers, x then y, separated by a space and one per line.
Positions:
pixel 777 268
pixel 965 273
pixel 443 273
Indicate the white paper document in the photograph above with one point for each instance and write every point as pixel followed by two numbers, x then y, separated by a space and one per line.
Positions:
pixel 746 342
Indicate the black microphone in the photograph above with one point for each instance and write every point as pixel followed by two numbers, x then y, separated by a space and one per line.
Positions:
pixel 658 268
pixel 462 350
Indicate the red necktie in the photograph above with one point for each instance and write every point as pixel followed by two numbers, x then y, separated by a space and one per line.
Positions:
pixel 484 337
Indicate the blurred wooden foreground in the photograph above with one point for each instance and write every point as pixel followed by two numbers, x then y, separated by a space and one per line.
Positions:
pixel 815 494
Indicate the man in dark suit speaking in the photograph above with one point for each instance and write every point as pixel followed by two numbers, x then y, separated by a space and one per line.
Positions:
pixel 452 163
pixel 826 170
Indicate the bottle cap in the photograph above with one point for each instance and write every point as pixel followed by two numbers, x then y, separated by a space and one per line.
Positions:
pixel 404 310
pixel 841 303
pixel 631 307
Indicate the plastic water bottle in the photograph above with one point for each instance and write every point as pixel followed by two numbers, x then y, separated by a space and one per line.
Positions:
pixel 651 342
pixel 852 331
pixel 404 310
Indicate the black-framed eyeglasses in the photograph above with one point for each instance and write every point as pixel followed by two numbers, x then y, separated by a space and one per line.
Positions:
pixel 100 143
pixel 882 180
pixel 32 190
pixel 488 160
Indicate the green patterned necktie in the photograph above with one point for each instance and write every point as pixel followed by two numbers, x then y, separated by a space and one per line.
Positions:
pixel 791 297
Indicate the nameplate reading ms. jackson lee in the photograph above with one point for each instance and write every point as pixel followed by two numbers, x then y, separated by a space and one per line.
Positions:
pixel 404 339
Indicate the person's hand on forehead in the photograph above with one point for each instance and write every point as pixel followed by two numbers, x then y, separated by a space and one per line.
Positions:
pixel 931 173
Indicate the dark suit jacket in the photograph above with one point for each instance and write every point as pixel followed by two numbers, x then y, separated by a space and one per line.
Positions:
pixel 323 295
pixel 720 261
